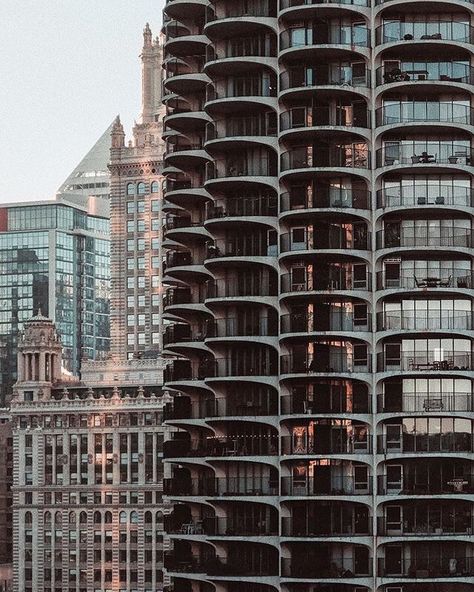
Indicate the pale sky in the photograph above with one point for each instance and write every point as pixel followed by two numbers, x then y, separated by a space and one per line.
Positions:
pixel 67 68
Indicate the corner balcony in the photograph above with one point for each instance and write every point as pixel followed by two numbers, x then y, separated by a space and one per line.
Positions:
pixel 426 403
pixel 338 363
pixel 444 361
pixel 332 485
pixel 419 321
pixel 336 321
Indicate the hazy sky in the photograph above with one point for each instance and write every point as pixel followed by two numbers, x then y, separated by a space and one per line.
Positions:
pixel 67 67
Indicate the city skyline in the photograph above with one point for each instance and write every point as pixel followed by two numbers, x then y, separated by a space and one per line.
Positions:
pixel 33 130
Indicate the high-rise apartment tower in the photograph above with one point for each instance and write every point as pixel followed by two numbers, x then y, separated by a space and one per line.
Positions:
pixel 320 168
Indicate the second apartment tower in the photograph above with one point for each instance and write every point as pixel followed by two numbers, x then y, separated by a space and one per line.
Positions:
pixel 319 215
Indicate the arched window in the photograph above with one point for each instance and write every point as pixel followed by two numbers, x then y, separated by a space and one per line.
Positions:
pixel 97 517
pixel 159 517
pixel 123 517
pixel 155 187
pixel 141 188
pixel 72 517
pixel 58 519
pixel 108 518
pixel 130 189
pixel 148 518
pixel 133 518
pixel 47 517
pixel 83 518
pixel 29 518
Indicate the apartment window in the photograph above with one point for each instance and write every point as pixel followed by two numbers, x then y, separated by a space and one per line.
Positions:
pixel 155 224
pixel 155 262
pixel 130 207
pixel 130 283
pixel 130 189
pixel 155 188
pixel 140 207
pixel 141 189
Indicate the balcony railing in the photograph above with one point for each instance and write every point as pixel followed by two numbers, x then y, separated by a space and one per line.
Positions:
pixel 240 9
pixel 339 320
pixel 250 86
pixel 178 259
pixel 331 237
pixel 183 408
pixel 341 156
pixel 426 362
pixel 343 525
pixel 175 296
pixel 238 445
pixel 294 3
pixel 339 402
pixel 446 278
pixel 240 126
pixel 340 442
pixel 325 198
pixel 308 566
pixel 335 75
pixel 449 483
pixel 457 72
pixel 336 485
pixel 425 402
pixel 446 443
pixel 175 222
pixel 230 486
pixel 253 247
pixel 424 321
pixel 235 327
pixel 239 168
pixel 451 566
pixel 234 288
pixel 302 117
pixel 413 112
pixel 337 279
pixel 353 35
pixel 255 47
pixel 391 32
pixel 245 367
pixel 265 205
pixel 427 152
pixel 457 522
pixel 441 195
pixel 338 362
pixel 425 237
pixel 186 370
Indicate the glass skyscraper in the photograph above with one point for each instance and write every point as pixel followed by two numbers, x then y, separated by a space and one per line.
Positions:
pixel 54 256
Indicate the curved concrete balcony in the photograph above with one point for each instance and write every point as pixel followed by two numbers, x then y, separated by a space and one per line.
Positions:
pixel 265 326
pixel 182 228
pixel 259 50
pixel 325 39
pixel 296 203
pixel 442 478
pixel 438 567
pixel 255 91
pixel 333 237
pixel 223 212
pixel 241 17
pixel 429 443
pixel 332 564
pixel 217 527
pixel 338 279
pixel 312 322
pixel 339 362
pixel 348 439
pixel 444 196
pixel 327 398
pixel 341 519
pixel 426 403
pixel 291 9
pixel 184 43
pixel 235 132
pixel 450 279
pixel 436 77
pixel 427 154
pixel 184 9
pixel 304 122
pixel 238 445
pixel 309 160
pixel 300 82
pixel 428 31
pixel 426 363
pixel 223 289
pixel 451 321
pixel 333 486
pixel 456 237
pixel 220 487
pixel 234 172
pixel 422 115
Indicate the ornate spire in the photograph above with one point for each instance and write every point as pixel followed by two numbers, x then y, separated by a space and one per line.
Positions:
pixel 147 37
pixel 117 134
